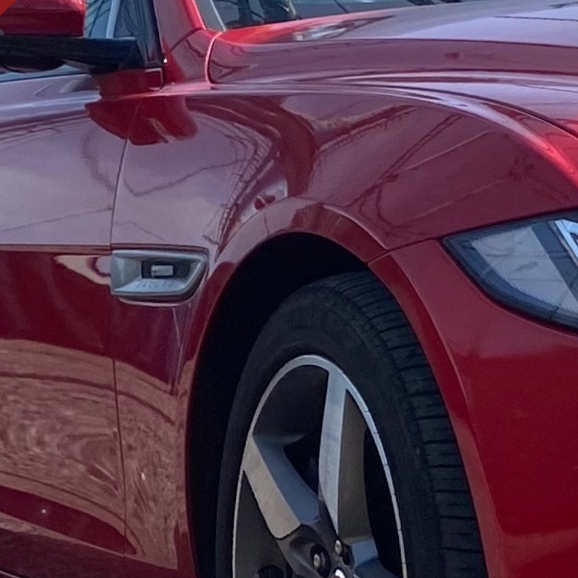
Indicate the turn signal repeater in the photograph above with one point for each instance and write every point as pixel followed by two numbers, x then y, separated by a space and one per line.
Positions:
pixel 156 276
pixel 531 266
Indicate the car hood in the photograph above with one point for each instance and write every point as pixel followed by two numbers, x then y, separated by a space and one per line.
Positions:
pixel 523 53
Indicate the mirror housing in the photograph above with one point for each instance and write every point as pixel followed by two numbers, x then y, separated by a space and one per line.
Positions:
pixel 46 34
pixel 44 17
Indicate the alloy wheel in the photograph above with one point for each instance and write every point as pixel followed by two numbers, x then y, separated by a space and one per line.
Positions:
pixel 315 496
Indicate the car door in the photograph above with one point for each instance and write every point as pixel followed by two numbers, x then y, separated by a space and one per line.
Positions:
pixel 61 479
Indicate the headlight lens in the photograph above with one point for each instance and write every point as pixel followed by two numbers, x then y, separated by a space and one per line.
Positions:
pixel 532 266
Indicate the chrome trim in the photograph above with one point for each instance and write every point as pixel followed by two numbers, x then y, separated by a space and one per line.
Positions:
pixel 128 283
pixel 568 230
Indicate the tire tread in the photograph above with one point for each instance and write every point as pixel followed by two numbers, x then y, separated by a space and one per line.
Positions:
pixel 378 313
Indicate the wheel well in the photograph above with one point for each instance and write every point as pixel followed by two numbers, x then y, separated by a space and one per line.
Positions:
pixel 272 273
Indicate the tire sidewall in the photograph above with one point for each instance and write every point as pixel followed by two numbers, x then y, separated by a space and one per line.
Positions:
pixel 305 327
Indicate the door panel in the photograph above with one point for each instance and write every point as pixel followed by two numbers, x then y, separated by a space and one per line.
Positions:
pixel 152 380
pixel 61 481
pixel 171 203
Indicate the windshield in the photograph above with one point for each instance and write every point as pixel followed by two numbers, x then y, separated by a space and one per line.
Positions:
pixel 239 13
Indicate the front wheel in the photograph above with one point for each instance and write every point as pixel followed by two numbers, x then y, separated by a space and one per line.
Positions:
pixel 340 460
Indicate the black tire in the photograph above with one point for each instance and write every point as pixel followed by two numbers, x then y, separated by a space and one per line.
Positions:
pixel 353 321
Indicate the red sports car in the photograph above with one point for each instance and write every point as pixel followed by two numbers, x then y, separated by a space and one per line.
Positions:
pixel 289 289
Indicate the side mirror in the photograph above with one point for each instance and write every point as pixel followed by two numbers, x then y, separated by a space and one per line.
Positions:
pixel 45 34
pixel 44 17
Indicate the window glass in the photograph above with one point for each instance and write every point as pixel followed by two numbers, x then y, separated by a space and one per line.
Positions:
pixel 98 13
pixel 137 20
pixel 238 13
pixel 128 20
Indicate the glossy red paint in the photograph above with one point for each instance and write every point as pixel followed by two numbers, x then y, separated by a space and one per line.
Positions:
pixel 61 478
pixel 374 164
pixel 499 372
pixel 305 183
pixel 177 21
pixel 404 127
pixel 53 17
pixel 533 37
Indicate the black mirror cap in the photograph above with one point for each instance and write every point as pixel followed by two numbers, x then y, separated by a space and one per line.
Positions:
pixel 39 53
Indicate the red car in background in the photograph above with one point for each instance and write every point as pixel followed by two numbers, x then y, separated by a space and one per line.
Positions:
pixel 289 289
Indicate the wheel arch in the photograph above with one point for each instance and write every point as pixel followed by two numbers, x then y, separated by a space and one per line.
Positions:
pixel 265 278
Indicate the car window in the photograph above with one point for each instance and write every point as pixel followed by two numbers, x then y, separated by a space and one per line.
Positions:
pixel 239 13
pixel 100 18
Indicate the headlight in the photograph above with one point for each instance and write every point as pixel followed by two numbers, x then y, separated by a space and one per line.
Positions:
pixel 531 266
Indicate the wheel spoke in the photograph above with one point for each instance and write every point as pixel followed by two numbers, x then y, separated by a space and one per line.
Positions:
pixel 341 461
pixel 286 502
